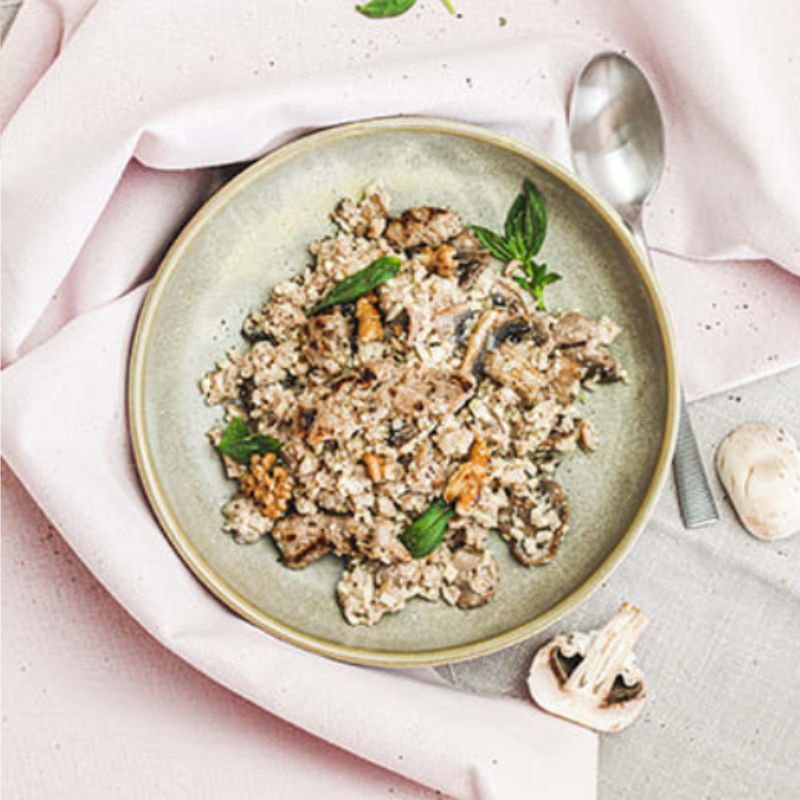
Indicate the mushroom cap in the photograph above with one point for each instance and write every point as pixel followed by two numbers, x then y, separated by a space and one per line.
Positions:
pixel 592 678
pixel 759 466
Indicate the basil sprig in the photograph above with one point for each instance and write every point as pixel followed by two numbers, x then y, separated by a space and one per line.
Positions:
pixel 239 444
pixel 425 534
pixel 359 283
pixel 525 229
pixel 381 9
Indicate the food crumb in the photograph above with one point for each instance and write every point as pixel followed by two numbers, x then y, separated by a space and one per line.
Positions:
pixel 502 22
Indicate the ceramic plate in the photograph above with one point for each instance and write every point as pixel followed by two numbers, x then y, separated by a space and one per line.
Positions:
pixel 253 233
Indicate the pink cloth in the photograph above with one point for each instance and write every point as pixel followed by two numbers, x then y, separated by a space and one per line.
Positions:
pixel 94 708
pixel 113 109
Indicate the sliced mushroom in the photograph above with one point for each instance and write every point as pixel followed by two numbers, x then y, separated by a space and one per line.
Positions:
pixel 492 329
pixel 759 466
pixel 472 257
pixel 586 340
pixel 478 339
pixel 592 678
pixel 535 521
pixel 514 365
pixel 302 540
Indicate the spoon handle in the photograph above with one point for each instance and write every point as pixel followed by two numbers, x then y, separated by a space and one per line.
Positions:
pixel 694 493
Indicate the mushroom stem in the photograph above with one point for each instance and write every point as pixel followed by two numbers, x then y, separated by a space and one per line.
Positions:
pixel 606 654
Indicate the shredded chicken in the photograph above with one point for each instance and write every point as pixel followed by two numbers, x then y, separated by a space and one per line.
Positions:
pixel 443 384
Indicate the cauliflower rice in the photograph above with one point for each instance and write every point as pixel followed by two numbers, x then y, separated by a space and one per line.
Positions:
pixel 445 381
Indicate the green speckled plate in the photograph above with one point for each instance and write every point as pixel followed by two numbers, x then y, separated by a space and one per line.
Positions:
pixel 253 233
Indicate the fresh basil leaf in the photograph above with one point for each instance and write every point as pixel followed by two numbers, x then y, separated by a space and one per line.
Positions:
pixel 360 283
pixel 239 444
pixel 425 534
pixel 551 277
pixel 525 228
pixel 528 268
pixel 537 214
pixel 513 227
pixel 493 242
pixel 381 9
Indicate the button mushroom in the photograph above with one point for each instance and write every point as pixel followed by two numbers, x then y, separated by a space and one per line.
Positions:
pixel 759 466
pixel 592 678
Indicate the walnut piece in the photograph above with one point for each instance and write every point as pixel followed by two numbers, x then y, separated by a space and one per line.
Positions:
pixel 466 482
pixel 370 327
pixel 587 436
pixel 268 484
pixel 374 465
pixel 442 260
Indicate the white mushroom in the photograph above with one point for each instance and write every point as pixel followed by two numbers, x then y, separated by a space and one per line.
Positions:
pixel 592 678
pixel 759 466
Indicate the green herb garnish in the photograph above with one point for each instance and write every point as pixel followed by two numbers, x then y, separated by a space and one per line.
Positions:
pixel 425 534
pixel 525 229
pixel 381 9
pixel 359 283
pixel 239 444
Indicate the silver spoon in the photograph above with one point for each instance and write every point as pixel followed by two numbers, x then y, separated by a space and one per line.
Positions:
pixel 617 139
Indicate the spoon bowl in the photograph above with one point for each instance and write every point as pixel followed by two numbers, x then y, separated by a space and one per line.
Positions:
pixel 617 139
pixel 616 133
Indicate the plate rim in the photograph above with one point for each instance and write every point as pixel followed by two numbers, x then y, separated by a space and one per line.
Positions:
pixel 180 540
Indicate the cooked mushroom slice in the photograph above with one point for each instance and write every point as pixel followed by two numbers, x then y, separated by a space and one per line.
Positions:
pixel 455 320
pixel 472 257
pixel 492 329
pixel 572 328
pixel 600 365
pixel 564 379
pixel 424 225
pixel 478 340
pixel 586 342
pixel 514 364
pixel 759 466
pixel 301 540
pixel 327 345
pixel 535 522
pixel 592 678
pixel 423 398
pixel 470 577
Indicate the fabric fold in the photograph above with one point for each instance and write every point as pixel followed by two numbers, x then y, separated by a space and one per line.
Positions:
pixel 442 734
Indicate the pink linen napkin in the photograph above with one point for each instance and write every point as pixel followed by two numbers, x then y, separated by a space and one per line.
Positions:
pixel 111 112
